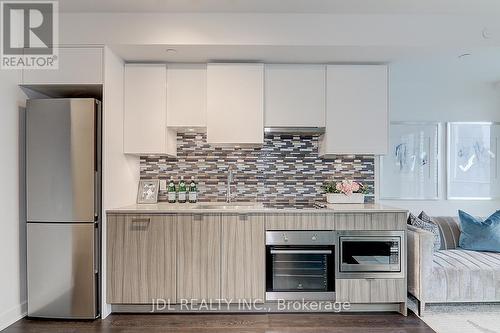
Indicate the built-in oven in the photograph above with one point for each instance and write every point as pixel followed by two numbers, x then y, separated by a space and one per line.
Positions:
pixel 300 265
pixel 370 254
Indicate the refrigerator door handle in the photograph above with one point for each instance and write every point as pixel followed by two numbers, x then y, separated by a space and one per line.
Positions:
pixel 97 197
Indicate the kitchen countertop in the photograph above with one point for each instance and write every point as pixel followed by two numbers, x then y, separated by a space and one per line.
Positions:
pixel 165 208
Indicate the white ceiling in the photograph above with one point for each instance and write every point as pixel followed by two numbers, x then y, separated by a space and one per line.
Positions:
pixel 464 7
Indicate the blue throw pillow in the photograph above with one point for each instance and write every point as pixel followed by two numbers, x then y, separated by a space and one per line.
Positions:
pixel 480 235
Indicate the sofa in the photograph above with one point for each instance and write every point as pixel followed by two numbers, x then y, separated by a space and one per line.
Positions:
pixel 451 274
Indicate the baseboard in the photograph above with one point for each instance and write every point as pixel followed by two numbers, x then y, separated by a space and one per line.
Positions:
pixel 9 317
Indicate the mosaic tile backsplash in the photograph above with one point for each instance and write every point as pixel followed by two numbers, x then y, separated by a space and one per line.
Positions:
pixel 286 170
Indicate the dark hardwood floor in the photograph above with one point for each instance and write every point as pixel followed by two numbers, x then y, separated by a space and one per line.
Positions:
pixel 232 323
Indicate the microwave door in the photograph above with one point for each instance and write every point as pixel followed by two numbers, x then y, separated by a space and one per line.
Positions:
pixel 61 170
pixel 369 254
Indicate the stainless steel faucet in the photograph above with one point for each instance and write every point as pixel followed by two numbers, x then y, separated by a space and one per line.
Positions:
pixel 230 178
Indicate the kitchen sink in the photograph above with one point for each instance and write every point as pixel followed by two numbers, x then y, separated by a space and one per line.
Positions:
pixel 230 205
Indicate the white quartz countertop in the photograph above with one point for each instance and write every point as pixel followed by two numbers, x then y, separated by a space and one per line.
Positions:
pixel 241 208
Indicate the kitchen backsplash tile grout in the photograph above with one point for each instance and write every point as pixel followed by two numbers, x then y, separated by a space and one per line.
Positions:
pixel 286 170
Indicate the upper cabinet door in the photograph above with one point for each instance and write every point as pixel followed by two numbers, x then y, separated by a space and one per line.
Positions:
pixel 235 104
pixel 186 95
pixel 77 65
pixel 356 110
pixel 295 96
pixel 145 111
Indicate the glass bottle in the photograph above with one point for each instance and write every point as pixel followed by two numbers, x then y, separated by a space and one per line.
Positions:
pixel 171 196
pixel 193 191
pixel 181 196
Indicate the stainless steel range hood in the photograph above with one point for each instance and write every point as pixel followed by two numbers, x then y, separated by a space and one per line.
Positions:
pixel 295 130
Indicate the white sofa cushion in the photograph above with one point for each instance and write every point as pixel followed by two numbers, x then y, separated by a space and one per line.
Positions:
pixel 464 276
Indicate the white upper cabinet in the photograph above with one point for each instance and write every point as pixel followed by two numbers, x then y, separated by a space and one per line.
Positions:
pixel 145 111
pixel 235 104
pixel 356 110
pixel 186 95
pixel 77 65
pixel 295 95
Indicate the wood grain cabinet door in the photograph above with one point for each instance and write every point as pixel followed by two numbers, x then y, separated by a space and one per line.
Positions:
pixel 198 257
pixel 141 258
pixel 243 257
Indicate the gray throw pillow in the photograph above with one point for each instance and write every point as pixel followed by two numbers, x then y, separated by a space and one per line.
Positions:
pixel 435 229
pixel 428 226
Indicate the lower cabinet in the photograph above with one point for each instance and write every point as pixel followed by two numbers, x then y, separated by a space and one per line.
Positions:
pixel 243 257
pixel 370 290
pixel 204 257
pixel 141 258
pixel 198 257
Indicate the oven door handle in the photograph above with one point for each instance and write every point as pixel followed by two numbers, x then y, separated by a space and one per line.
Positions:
pixel 301 251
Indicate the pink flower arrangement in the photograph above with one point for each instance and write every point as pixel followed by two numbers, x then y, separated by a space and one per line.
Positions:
pixel 347 187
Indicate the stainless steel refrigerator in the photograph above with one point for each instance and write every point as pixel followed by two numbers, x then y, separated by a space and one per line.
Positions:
pixel 63 193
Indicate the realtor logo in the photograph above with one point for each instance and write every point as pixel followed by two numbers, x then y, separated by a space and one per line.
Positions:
pixel 29 33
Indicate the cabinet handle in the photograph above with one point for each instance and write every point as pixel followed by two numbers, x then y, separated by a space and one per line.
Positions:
pixel 301 252
pixel 141 220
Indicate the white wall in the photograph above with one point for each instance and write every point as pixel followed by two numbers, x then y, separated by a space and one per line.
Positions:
pixel 120 172
pixel 12 223
pixel 446 88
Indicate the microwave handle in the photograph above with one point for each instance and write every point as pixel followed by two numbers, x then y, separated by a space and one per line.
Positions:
pixel 301 252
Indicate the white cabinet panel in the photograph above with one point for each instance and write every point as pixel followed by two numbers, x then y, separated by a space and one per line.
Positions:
pixel 295 95
pixel 235 104
pixel 145 114
pixel 357 110
pixel 77 65
pixel 187 95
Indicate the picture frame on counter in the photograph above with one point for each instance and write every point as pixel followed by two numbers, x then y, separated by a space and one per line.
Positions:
pixel 147 192
pixel 472 160
pixel 411 169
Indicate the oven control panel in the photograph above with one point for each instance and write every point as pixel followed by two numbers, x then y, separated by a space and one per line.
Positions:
pixel 287 237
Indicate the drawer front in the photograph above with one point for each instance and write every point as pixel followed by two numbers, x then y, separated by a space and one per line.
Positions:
pixel 353 290
pixel 371 290
pixel 388 291
pixel 370 221
pixel 311 221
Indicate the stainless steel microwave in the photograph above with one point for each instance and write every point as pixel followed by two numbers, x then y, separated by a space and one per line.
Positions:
pixel 370 254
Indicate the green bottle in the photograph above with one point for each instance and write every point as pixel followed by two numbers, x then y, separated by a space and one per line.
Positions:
pixel 182 190
pixel 171 190
pixel 193 191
